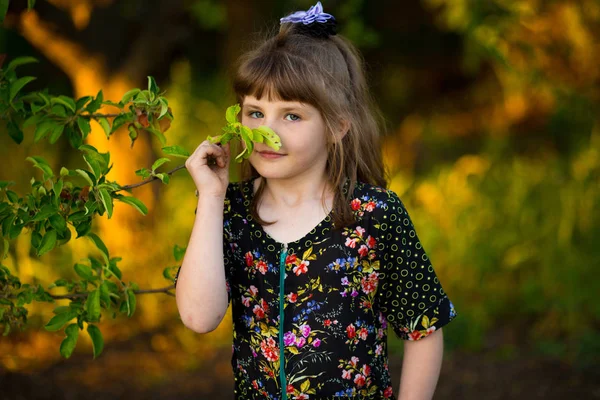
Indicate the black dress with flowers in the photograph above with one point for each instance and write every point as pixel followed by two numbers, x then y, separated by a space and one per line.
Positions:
pixel 326 316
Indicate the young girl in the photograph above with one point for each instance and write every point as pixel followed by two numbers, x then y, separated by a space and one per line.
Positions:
pixel 316 257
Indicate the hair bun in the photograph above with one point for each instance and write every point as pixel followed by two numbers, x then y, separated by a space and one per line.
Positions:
pixel 317 29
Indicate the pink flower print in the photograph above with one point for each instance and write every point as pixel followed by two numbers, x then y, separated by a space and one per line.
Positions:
pixel 359 380
pixel 354 361
pixel 346 374
pixel 246 301
pixel 366 370
pixel 249 259
pixel 378 349
pixel 302 268
pixel 359 231
pixel 414 335
pixel 344 294
pixel 354 293
pixel 351 331
pixel 253 290
pixel 292 297
pixel 316 343
pixel 355 204
pixel 363 251
pixel 301 396
pixel 259 312
pixel 300 341
pixel 380 333
pixel 370 206
pixel 345 281
pixel 387 393
pixel 430 330
pixel 262 267
pixel 363 333
pixel 269 349
pixel 305 330
pixel 371 242
pixel 289 339
pixel 350 243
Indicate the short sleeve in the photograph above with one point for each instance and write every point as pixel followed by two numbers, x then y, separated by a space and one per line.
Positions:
pixel 410 294
pixel 227 240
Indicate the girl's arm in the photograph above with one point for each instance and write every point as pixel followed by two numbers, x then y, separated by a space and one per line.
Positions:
pixel 421 366
pixel 201 293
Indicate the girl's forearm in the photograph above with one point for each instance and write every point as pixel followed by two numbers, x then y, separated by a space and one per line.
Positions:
pixel 421 367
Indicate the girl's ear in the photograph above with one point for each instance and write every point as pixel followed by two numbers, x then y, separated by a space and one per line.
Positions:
pixel 343 128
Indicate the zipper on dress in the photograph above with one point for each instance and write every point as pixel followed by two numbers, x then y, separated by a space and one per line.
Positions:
pixel 282 380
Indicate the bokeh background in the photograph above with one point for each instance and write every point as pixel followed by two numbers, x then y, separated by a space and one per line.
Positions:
pixel 493 143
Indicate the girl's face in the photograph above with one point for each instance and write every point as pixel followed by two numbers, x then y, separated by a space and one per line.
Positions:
pixel 303 137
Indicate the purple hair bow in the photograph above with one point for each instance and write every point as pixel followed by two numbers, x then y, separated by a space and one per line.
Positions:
pixel 314 14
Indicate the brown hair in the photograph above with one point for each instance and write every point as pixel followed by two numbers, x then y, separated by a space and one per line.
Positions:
pixel 327 73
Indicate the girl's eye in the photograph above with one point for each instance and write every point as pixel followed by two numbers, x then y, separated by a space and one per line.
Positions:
pixel 254 112
pixel 296 118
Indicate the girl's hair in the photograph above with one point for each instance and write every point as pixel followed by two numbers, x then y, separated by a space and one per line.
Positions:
pixel 327 73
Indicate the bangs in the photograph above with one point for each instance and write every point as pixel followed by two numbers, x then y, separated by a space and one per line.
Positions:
pixel 278 76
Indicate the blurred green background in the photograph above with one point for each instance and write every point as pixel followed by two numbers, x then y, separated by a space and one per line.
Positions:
pixel 492 140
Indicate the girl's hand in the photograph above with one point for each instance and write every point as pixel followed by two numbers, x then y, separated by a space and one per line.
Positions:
pixel 211 179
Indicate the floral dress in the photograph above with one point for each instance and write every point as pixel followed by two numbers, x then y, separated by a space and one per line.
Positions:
pixel 310 317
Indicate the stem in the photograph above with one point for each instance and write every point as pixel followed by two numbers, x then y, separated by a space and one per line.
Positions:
pixel 99 115
pixel 166 290
pixel 154 178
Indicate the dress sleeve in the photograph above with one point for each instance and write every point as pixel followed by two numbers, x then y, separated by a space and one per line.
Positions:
pixel 227 241
pixel 410 295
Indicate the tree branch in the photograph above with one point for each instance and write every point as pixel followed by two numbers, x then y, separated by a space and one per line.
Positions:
pixel 165 290
pixel 154 178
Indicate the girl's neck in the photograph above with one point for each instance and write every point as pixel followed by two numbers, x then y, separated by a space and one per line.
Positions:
pixel 293 194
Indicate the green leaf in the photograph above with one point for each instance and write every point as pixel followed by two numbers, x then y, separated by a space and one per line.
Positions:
pixel 42 129
pixel 95 104
pixel 30 4
pixel 159 162
pixel 5 248
pixel 59 320
pixel 165 178
pixel 48 243
pixel 97 340
pixel 16 86
pixel 68 344
pixel 99 244
pixel 112 267
pixel 84 271
pixel 58 223
pixel 129 95
pixel 82 101
pixel 65 101
pixel 152 86
pixel 178 252
pixel 176 151
pixel 86 175
pixel 92 306
pixel 164 107
pixel 231 113
pixel 15 133
pixel 58 185
pixel 19 60
pixel 56 133
pixel 121 120
pixel 136 203
pixel 159 135
pixel 271 139
pixel 84 126
pixel 107 202
pixel 131 302
pixel 105 125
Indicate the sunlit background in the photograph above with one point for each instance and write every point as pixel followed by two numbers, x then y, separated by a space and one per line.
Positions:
pixel 493 143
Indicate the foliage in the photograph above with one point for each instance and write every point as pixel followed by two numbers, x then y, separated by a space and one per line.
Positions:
pixel 234 129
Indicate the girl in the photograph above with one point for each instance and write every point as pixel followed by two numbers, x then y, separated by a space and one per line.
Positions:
pixel 318 258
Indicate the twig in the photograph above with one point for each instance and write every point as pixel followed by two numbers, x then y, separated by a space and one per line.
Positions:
pixel 165 290
pixel 128 187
